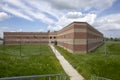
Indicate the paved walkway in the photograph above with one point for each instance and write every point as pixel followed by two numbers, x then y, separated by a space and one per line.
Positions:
pixel 70 71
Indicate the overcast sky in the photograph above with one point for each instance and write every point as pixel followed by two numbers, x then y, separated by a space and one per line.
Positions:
pixel 44 15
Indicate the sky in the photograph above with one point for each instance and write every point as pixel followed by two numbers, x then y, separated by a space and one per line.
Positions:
pixel 53 15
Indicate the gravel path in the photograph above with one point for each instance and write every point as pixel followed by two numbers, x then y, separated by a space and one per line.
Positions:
pixel 70 71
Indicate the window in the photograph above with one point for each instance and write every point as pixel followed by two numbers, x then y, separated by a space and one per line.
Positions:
pixel 50 37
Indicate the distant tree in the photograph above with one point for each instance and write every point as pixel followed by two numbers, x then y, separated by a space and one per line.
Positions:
pixel 55 31
pixel 116 39
pixel 111 39
pixel 107 39
pixel 1 38
pixel 48 31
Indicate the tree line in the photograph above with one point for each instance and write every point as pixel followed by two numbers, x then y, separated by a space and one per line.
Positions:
pixel 1 38
pixel 112 39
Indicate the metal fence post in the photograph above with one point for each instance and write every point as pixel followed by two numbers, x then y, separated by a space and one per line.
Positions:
pixel 49 78
pixel 56 77
pixel 46 77
pixel 20 46
pixel 105 49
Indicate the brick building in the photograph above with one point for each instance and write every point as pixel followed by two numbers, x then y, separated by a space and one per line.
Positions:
pixel 77 37
pixel 13 38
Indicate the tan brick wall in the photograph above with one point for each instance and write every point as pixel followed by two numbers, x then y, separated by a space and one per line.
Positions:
pixel 25 38
pixel 94 38
pixel 65 37
pixel 66 46
pixel 77 37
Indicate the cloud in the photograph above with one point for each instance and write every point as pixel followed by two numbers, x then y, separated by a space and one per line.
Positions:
pixel 64 4
pixel 3 29
pixel 54 27
pixel 8 29
pixel 40 30
pixel 109 25
pixel 80 4
pixel 3 16
pixel 43 7
pixel 71 17
pixel 109 22
pixel 59 13
pixel 20 30
pixel 49 10
pixel 74 15
pixel 23 10
pixel 15 12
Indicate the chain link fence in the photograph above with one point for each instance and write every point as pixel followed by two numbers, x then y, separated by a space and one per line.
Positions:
pixel 25 50
pixel 112 47
pixel 38 77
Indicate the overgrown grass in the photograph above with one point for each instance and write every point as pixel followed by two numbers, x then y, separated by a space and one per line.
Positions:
pixel 96 63
pixel 34 60
pixel 114 49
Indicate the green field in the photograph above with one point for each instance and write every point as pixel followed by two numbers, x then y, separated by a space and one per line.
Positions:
pixel 16 60
pixel 96 63
pixel 113 49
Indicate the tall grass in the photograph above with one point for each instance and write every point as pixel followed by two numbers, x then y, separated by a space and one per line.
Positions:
pixel 96 63
pixel 114 48
pixel 34 60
